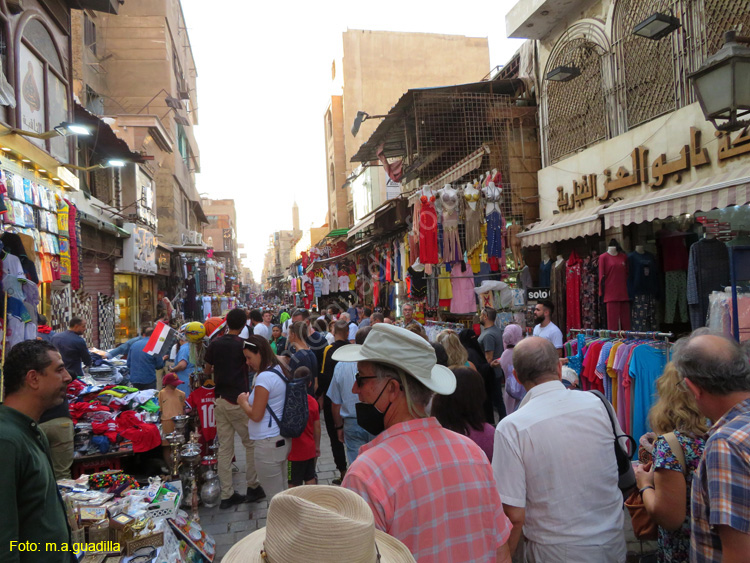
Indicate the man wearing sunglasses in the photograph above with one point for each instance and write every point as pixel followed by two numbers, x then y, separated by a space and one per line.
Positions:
pixel 431 488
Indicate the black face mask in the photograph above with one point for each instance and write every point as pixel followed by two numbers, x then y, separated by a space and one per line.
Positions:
pixel 370 418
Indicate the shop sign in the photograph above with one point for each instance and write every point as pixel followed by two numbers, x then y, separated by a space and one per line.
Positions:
pixel 145 204
pixel 162 262
pixel 392 189
pixel 539 293
pixel 139 251
pixel 655 175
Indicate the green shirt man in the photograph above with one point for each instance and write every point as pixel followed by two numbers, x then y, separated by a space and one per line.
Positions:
pixel 33 522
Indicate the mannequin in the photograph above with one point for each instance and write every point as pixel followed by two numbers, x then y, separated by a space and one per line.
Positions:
pixel 545 268
pixel 613 276
pixel 644 288
pixel 559 260
pixel 494 218
pixel 428 232
pixel 473 218
pixel 451 243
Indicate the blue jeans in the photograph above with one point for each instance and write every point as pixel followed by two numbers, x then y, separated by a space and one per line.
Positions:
pixel 354 438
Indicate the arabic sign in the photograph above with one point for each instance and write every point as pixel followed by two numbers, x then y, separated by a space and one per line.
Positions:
pixel 139 251
pixel 691 156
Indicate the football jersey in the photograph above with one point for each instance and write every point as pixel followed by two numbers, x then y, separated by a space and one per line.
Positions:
pixel 202 401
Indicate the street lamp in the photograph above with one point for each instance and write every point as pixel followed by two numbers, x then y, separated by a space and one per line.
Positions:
pixel 363 116
pixel 722 84
pixel 113 163
pixel 656 26
pixel 563 73
pixel 64 129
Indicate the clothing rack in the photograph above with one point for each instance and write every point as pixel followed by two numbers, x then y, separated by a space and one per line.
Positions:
pixel 604 333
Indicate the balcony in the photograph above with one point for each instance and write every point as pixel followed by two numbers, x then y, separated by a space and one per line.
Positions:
pixel 534 19
pixel 108 6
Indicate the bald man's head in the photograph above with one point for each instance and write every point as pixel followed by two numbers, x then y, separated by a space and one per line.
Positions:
pixel 535 360
pixel 713 362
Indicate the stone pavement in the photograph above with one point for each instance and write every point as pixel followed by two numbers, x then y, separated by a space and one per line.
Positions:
pixel 229 526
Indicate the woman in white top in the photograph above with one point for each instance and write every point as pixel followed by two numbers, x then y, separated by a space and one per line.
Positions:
pixel 271 449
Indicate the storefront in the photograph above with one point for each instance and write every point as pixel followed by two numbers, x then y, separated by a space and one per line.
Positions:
pixel 135 286
pixel 675 206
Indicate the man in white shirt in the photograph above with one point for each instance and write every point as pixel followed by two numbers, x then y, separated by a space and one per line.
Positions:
pixel 555 467
pixel 353 328
pixel 545 328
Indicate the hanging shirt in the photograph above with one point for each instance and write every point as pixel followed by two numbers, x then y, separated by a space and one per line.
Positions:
pixel 646 366
pixel 202 401
pixel 643 274
pixel 613 277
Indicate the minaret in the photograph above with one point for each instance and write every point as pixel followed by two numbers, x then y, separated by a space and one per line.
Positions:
pixel 295 218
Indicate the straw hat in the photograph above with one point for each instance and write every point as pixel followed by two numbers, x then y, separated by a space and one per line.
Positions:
pixel 401 348
pixel 318 523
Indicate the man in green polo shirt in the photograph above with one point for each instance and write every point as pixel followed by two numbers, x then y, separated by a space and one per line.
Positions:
pixel 33 524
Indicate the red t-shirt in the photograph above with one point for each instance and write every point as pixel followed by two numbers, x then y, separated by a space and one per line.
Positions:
pixel 303 448
pixel 202 401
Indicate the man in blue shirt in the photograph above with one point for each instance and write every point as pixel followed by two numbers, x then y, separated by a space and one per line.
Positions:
pixel 122 349
pixel 72 347
pixel 143 366
pixel 183 367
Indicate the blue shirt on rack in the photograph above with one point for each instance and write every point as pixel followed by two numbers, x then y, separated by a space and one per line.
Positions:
pixel 646 366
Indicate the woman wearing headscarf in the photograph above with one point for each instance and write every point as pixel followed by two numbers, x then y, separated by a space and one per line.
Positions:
pixel 514 392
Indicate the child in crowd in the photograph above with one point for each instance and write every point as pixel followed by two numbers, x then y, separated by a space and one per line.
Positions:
pixel 201 403
pixel 171 403
pixel 306 449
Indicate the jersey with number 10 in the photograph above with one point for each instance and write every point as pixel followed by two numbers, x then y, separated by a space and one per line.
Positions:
pixel 202 401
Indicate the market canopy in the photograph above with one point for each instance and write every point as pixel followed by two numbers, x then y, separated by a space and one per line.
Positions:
pixel 717 192
pixel 581 223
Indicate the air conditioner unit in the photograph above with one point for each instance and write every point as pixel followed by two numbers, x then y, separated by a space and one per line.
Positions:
pixel 196 237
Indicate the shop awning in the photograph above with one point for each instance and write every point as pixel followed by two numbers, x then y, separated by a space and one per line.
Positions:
pixel 104 143
pixel 332 259
pixel 369 220
pixel 582 223
pixel 461 168
pixel 717 192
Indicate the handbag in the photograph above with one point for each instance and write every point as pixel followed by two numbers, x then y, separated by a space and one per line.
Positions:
pixel 624 465
pixel 644 527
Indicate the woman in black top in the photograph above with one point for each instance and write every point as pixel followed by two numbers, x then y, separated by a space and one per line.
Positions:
pixel 470 341
pixel 302 356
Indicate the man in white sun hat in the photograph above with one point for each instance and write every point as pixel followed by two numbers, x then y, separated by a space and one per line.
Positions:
pixel 316 523
pixel 429 487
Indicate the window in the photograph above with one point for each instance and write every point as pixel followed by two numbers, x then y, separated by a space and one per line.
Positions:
pixel 182 143
pixel 43 90
pixel 329 122
pixel 89 33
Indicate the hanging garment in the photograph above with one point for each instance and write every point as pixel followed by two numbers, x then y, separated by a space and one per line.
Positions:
pixel 708 270
pixel 643 274
pixel 589 291
pixel 613 285
pixel 618 315
pixel 675 284
pixel 464 299
pixel 428 233
pixel 495 235
pixel 473 229
pixel 418 284
pixel 644 313
pixel 573 291
pixel 545 269
pixel 445 288
pixel 451 244
pixel 673 250
pixel 558 296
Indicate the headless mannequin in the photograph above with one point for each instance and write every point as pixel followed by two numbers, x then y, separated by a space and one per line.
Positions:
pixel 639 249
pixel 559 260
pixel 492 193
pixel 470 196
pixel 613 276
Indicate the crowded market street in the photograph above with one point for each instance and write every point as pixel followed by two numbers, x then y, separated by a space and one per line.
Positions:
pixel 307 282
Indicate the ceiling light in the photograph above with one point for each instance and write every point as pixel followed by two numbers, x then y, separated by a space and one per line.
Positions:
pixel 25 160
pixel 563 73
pixel 657 26
pixel 55 179
pixel 73 129
pixel 6 149
pixel 42 170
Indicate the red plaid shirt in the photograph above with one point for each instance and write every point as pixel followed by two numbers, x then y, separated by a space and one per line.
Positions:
pixel 432 489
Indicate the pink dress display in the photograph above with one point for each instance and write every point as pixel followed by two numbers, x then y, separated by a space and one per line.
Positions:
pixel 464 299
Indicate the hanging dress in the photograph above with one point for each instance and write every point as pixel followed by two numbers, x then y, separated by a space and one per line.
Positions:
pixel 451 243
pixel 428 232
pixel 473 223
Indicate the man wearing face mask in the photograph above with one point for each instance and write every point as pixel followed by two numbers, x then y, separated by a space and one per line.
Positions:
pixel 431 488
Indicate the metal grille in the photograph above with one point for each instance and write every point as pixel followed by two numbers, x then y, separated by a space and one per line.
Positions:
pixel 575 109
pixel 647 67
pixel 450 126
pixel 721 16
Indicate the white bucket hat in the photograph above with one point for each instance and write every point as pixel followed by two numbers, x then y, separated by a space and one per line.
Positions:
pixel 315 523
pixel 401 348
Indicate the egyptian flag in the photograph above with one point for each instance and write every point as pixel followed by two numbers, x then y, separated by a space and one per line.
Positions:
pixel 161 340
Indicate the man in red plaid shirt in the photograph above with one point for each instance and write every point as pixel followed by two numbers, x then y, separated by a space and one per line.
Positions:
pixel 431 488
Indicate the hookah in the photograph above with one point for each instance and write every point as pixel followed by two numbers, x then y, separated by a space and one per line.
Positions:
pixel 190 455
pixel 176 439
pixel 211 489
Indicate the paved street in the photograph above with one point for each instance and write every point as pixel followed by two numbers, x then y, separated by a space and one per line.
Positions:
pixel 231 525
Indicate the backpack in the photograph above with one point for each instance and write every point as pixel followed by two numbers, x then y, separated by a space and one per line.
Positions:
pixel 294 417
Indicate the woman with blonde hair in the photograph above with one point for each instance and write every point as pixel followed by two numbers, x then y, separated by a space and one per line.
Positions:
pixel 665 487
pixel 457 354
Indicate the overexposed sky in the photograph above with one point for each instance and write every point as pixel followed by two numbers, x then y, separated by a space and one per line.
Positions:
pixel 264 82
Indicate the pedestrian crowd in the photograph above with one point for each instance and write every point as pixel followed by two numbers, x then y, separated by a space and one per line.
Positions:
pixel 476 448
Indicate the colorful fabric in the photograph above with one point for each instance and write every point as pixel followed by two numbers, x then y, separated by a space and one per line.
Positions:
pixel 721 495
pixel 674 547
pixel 432 489
pixel 573 290
pixel 643 313
pixel 428 239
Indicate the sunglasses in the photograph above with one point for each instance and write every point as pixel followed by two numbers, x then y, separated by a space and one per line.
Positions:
pixel 360 378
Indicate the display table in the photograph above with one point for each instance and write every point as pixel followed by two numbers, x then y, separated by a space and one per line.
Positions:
pixel 98 462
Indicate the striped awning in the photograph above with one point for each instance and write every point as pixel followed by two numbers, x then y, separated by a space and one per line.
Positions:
pixel 460 168
pixel 717 192
pixel 581 223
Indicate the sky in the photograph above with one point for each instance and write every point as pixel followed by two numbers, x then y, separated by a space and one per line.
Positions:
pixel 264 83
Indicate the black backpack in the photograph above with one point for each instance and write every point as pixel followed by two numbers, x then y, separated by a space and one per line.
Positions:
pixel 296 412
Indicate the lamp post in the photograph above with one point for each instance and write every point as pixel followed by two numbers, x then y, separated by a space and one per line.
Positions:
pixel 722 84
